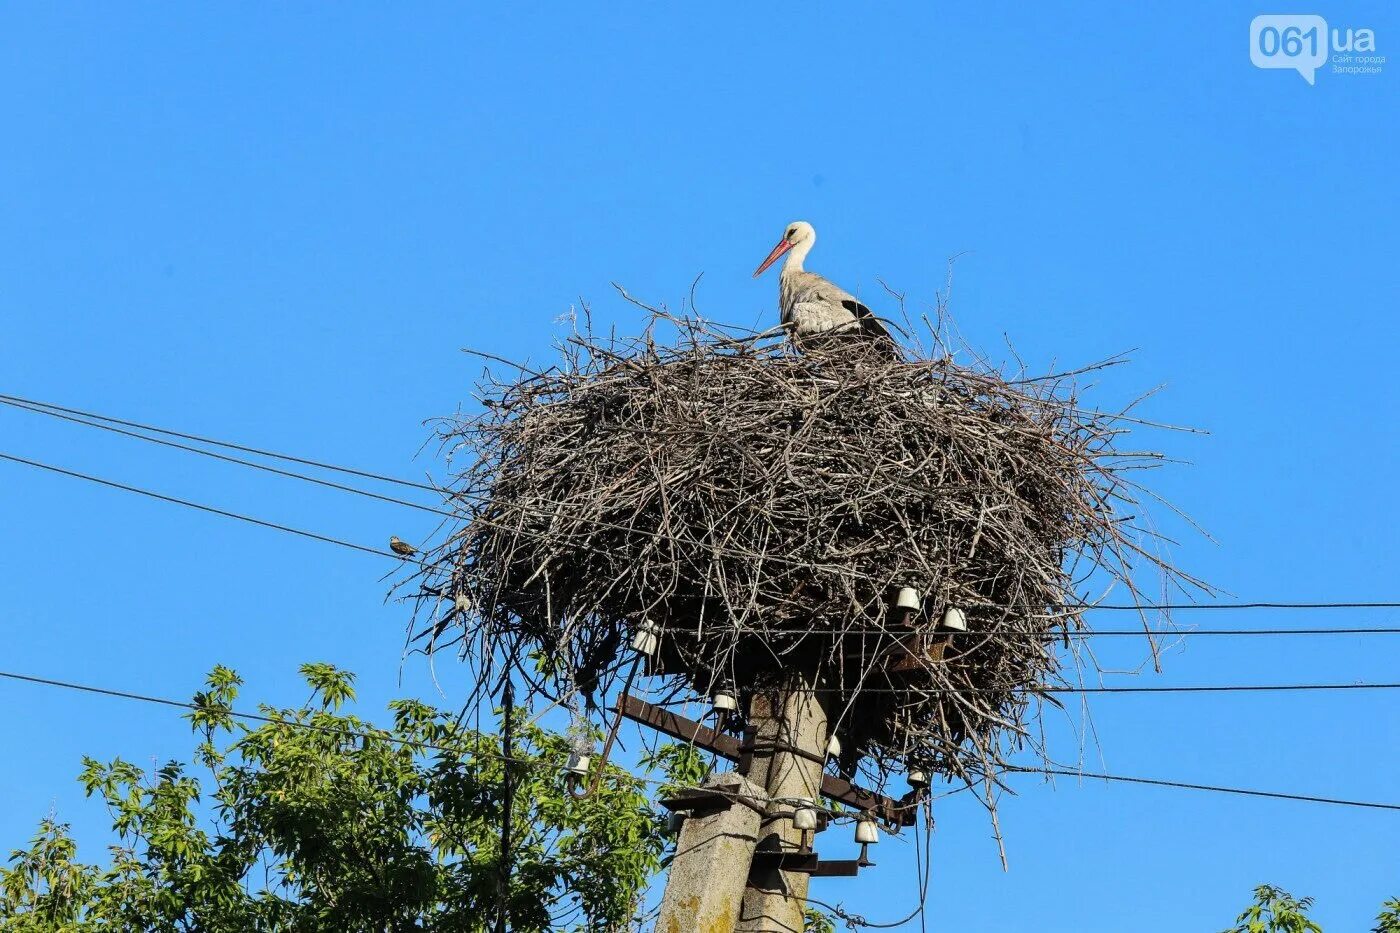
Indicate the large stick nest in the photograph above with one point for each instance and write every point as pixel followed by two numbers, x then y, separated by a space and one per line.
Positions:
pixel 760 507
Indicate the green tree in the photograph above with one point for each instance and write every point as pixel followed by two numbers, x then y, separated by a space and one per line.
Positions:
pixel 814 921
pixel 1276 911
pixel 317 820
pixel 1388 921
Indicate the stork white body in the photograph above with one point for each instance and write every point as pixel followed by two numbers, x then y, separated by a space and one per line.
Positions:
pixel 810 305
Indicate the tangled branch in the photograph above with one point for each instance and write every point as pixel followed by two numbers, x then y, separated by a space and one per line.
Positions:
pixel 759 508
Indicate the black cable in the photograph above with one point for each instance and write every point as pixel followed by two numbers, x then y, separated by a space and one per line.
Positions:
pixel 1142 607
pixel 350 733
pixel 1094 633
pixel 370 550
pixel 1218 688
pixel 217 443
pixel 262 717
pixel 195 505
pixel 1197 688
pixel 181 704
pixel 1248 631
pixel 1177 607
pixel 1307 798
pixel 224 457
pixel 206 508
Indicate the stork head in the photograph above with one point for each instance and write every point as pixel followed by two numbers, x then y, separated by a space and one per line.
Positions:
pixel 798 233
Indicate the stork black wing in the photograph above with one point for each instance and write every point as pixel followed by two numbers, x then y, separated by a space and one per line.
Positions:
pixel 872 328
pixel 869 324
pixel 856 308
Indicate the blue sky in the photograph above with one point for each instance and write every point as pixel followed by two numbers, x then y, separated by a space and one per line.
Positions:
pixel 281 224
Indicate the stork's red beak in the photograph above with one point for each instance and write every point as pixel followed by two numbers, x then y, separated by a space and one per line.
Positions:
pixel 782 247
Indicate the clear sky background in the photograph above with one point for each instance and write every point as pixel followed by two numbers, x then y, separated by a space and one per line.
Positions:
pixel 280 224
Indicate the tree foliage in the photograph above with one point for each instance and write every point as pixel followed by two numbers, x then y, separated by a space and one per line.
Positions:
pixel 1388 920
pixel 1276 911
pixel 317 820
pixel 814 921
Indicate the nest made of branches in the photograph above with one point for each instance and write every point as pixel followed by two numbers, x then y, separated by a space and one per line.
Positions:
pixel 759 508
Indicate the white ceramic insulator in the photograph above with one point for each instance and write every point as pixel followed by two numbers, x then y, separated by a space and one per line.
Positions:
pixel 644 641
pixel 954 619
pixel 804 817
pixel 867 832
pixel 908 598
pixel 724 701
pixel 833 746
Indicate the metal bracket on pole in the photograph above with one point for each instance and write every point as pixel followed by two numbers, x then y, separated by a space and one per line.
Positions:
pixel 894 813
pixel 698 801
pixel 805 861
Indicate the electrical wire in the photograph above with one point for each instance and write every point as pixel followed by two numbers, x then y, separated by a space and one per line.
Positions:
pixel 315 536
pixel 24 404
pixel 1175 607
pixel 1214 788
pixel 59 411
pixel 369 550
pixel 384 553
pixel 1095 633
pixel 351 733
pixel 226 444
pixel 1191 688
pixel 226 458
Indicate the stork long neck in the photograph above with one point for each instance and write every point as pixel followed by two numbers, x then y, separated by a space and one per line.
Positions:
pixel 799 252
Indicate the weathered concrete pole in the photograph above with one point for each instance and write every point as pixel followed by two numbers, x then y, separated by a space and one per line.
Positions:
pixel 705 884
pixel 794 720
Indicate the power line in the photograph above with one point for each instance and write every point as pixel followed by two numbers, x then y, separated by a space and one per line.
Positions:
pixel 227 444
pixel 39 408
pixel 1219 688
pixel 196 707
pixel 1088 634
pixel 1190 688
pixel 352 733
pixel 275 720
pixel 1222 688
pixel 224 457
pixel 227 514
pixel 1213 788
pixel 1178 607
pixel 1095 633
pixel 1138 607
pixel 195 505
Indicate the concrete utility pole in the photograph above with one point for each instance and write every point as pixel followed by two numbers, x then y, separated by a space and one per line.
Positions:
pixel 705 884
pixel 788 759
pixel 723 878
pixel 729 873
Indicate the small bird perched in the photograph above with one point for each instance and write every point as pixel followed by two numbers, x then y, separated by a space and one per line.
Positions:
pixel 401 548
pixel 811 305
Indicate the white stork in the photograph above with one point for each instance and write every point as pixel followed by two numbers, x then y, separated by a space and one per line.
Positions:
pixel 812 305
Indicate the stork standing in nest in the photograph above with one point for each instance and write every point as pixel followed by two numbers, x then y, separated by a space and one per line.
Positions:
pixel 814 307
